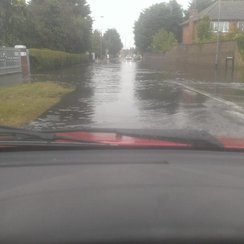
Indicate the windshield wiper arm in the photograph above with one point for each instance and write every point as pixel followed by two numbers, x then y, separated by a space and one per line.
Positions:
pixel 25 136
pixel 195 138
pixel 22 133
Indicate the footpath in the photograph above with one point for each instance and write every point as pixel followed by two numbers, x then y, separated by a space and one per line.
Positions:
pixel 229 94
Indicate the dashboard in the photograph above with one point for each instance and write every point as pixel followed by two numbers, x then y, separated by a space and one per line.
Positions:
pixel 121 196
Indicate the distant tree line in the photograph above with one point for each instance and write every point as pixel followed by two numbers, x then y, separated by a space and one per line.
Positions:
pixel 53 24
pixel 161 17
pixel 158 27
pixel 107 43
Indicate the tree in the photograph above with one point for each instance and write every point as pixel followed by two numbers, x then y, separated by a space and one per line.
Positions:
pixel 61 24
pixel 97 43
pixel 163 41
pixel 204 33
pixel 112 42
pixel 13 22
pixel 163 15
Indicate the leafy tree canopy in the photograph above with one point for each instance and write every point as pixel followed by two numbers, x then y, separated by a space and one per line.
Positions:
pixel 163 41
pixel 163 15
pixel 97 43
pixel 54 24
pixel 204 32
pixel 13 22
pixel 112 42
pixel 61 24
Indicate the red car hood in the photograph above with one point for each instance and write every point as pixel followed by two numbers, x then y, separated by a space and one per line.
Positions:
pixel 114 139
pixel 142 139
pixel 232 143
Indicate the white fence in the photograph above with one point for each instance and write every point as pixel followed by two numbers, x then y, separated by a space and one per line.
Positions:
pixel 10 60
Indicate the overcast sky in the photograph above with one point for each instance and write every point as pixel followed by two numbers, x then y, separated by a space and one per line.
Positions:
pixel 121 14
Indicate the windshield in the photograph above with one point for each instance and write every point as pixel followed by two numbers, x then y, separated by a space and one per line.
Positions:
pixel 148 64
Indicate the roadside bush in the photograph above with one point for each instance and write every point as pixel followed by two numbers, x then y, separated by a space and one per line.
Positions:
pixel 240 40
pixel 46 59
pixel 204 33
pixel 163 41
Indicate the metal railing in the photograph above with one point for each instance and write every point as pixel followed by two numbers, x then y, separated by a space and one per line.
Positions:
pixel 10 60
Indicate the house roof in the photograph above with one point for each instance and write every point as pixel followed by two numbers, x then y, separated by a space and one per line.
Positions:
pixel 230 10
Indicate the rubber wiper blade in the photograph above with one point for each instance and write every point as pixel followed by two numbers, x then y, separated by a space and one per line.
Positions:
pixel 25 136
pixel 195 138
pixel 18 133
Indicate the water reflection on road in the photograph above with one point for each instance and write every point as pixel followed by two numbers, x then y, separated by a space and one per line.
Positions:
pixel 127 95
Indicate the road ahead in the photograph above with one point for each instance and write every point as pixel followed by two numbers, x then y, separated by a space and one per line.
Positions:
pixel 128 96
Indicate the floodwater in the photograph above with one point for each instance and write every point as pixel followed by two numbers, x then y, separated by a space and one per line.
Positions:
pixel 128 95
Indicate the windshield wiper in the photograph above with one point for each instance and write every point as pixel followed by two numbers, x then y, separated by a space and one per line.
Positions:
pixel 194 138
pixel 23 136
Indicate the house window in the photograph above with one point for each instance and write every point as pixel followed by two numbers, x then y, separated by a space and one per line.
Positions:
pixel 240 25
pixel 223 26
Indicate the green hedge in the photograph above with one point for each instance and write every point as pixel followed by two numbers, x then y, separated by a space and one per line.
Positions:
pixel 240 40
pixel 46 59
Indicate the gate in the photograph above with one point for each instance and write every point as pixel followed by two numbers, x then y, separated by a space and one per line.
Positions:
pixel 10 60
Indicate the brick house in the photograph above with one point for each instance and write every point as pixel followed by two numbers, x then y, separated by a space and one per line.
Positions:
pixel 231 18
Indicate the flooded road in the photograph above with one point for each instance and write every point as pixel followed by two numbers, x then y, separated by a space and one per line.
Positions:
pixel 126 95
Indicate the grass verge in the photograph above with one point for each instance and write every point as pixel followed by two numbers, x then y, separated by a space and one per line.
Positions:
pixel 22 103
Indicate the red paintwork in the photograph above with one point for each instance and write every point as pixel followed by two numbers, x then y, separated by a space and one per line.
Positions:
pixel 113 139
pixel 232 143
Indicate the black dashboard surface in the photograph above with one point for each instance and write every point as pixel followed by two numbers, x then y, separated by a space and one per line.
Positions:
pixel 121 196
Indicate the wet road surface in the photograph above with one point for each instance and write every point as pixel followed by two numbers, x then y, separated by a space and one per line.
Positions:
pixel 128 96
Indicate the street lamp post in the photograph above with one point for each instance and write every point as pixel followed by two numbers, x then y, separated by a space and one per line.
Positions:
pixel 218 37
pixel 101 41
pixel 101 36
pixel 101 46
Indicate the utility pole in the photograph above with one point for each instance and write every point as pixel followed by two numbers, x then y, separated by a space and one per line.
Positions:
pixel 218 37
pixel 95 18
pixel 101 44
